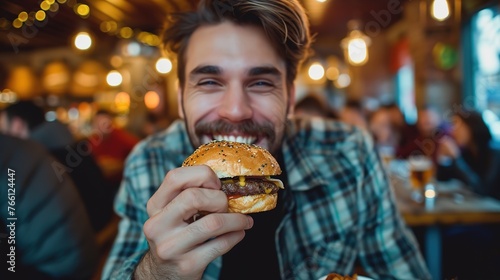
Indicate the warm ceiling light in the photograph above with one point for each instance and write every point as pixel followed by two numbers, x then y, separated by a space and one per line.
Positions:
pixel 82 10
pixel 126 32
pixel 17 23
pixel 83 41
pixel 316 71
pixel 163 65
pixel 23 16
pixel 332 73
pixel 355 47
pixel 122 101
pixel 40 15
pixel 357 51
pixel 440 10
pixel 45 5
pixel 356 44
pixel 151 99
pixel 114 78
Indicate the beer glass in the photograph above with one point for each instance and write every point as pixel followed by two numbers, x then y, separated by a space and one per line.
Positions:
pixel 386 154
pixel 421 174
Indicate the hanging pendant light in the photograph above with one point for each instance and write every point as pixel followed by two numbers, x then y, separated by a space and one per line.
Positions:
pixel 356 44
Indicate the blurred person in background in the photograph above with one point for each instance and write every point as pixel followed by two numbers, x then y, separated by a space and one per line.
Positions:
pixel 431 128
pixel 469 154
pixel 403 131
pixel 353 113
pixel 26 120
pixel 380 126
pixel 315 106
pixel 53 235
pixel 384 135
pixel 153 123
pixel 237 70
pixel 110 146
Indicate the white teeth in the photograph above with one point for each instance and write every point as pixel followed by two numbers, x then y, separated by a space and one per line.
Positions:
pixel 232 138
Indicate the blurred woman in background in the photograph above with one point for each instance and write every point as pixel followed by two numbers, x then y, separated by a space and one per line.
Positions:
pixel 469 156
pixel 470 252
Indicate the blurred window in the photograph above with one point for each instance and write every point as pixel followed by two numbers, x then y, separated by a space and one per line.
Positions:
pixel 485 45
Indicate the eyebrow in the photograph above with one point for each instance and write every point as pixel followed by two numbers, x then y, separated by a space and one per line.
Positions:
pixel 216 70
pixel 263 70
pixel 206 69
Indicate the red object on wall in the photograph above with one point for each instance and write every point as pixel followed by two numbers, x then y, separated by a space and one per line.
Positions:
pixel 400 55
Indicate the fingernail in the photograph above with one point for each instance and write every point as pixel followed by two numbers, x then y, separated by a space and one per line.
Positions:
pixel 250 222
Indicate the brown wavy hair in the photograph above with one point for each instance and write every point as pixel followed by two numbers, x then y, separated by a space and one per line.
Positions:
pixel 283 21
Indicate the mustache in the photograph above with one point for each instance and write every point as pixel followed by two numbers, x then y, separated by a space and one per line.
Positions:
pixel 246 127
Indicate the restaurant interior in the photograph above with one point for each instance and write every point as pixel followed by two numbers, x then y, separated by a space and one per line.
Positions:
pixel 76 57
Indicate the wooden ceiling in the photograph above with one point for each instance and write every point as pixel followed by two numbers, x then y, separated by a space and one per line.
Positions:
pixel 328 19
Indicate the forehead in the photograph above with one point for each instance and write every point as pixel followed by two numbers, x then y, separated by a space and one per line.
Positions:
pixel 231 46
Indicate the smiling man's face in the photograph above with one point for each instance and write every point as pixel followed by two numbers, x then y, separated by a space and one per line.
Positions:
pixel 235 87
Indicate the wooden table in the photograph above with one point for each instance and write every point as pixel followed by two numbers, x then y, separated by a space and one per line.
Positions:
pixel 453 205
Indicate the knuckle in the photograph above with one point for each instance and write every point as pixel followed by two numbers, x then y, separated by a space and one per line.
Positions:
pixel 150 207
pixel 186 266
pixel 171 177
pixel 213 223
pixel 195 197
pixel 149 228
pixel 163 250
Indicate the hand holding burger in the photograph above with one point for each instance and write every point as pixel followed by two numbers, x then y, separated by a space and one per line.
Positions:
pixel 244 171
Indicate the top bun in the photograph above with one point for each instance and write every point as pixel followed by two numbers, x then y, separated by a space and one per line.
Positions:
pixel 231 159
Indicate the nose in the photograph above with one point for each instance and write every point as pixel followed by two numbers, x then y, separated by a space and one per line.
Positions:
pixel 235 106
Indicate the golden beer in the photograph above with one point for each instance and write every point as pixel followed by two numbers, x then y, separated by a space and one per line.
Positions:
pixel 421 172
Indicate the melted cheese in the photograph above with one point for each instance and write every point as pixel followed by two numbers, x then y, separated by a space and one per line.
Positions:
pixel 242 181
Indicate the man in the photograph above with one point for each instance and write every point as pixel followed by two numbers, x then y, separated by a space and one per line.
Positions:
pixel 237 64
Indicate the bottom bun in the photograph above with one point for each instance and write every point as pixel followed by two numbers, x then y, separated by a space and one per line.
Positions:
pixel 253 203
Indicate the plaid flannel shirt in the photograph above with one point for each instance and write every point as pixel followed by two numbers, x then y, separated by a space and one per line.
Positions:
pixel 341 208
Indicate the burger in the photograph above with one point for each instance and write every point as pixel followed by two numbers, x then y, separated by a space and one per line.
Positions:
pixel 245 172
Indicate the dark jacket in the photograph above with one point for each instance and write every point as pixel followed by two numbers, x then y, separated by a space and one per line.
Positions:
pixel 53 235
pixel 76 160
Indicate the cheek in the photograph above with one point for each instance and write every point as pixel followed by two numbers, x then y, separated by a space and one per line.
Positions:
pixel 272 107
pixel 198 107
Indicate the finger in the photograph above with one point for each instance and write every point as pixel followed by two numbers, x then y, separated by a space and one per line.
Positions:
pixel 202 231
pixel 194 200
pixel 184 206
pixel 178 180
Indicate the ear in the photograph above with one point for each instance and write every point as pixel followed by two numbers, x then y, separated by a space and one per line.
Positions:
pixel 291 101
pixel 180 108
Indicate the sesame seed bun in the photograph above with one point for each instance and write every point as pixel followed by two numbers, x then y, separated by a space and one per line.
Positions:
pixel 231 159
